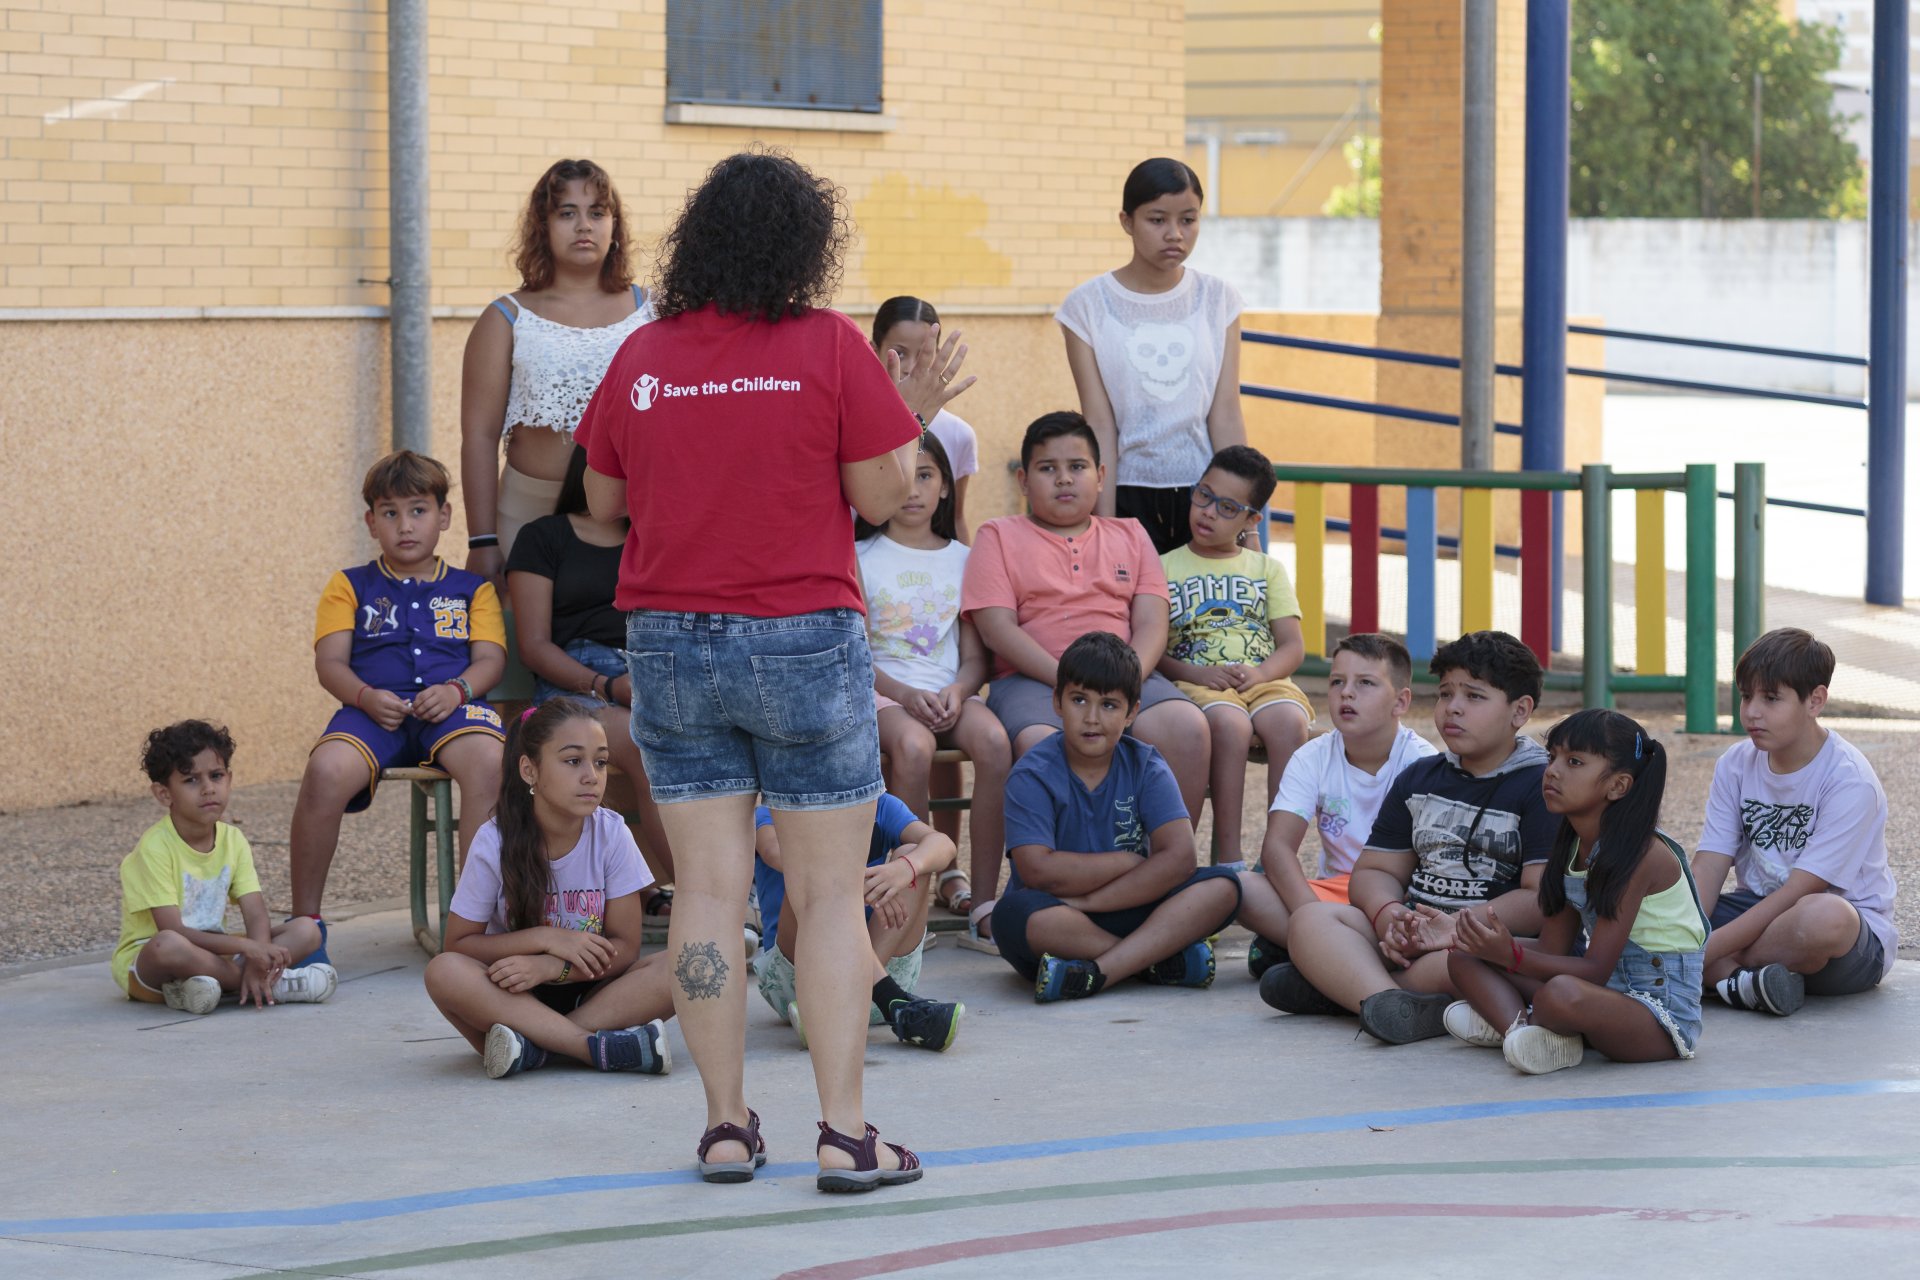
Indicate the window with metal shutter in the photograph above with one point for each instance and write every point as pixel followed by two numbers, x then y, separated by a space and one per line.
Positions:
pixel 819 55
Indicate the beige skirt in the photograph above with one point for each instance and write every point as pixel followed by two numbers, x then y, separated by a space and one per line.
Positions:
pixel 523 499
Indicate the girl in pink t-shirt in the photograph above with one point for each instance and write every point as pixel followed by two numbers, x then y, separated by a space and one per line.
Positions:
pixel 929 664
pixel 544 931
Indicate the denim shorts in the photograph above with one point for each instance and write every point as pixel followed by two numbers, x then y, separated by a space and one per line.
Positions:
pixel 1668 983
pixel 601 659
pixel 727 705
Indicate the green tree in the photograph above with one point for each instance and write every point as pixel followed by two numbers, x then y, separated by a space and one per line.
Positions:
pixel 1662 122
pixel 1361 197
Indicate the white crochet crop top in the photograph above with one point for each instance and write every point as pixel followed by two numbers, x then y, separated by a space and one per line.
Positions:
pixel 556 367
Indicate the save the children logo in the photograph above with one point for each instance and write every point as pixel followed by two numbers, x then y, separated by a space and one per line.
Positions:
pixel 647 388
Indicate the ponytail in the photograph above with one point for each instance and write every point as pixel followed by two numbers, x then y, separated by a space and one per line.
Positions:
pixel 1628 824
pixel 526 873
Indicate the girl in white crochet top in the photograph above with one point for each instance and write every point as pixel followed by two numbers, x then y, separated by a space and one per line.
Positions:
pixel 536 355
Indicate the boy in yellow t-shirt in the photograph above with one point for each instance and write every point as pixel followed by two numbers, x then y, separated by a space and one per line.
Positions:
pixel 1234 636
pixel 177 882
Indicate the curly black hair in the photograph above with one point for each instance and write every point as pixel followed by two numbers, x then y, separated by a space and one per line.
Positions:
pixel 171 750
pixel 1495 657
pixel 761 236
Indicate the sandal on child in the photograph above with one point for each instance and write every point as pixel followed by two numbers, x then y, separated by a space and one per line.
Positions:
pixel 961 901
pixel 866 1173
pixel 732 1170
pixel 972 940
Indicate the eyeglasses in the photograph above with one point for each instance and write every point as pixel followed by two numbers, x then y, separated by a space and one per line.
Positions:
pixel 1204 497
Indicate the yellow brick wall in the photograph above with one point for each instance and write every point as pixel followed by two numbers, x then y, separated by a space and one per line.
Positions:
pixel 206 153
pixel 197 153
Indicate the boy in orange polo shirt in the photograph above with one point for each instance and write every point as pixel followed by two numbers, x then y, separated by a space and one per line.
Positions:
pixel 1036 583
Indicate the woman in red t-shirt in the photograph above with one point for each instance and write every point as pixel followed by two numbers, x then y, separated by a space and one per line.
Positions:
pixel 735 432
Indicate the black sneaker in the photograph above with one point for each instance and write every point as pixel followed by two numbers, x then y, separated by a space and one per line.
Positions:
pixel 1285 988
pixel 1771 988
pixel 1401 1017
pixel 1262 955
pixel 929 1024
pixel 1060 979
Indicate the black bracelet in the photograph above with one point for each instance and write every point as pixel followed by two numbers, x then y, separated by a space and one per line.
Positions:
pixel 917 418
pixel 483 540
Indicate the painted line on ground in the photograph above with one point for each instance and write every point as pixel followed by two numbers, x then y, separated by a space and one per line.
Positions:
pixel 844 1211
pixel 886 1264
pixel 367 1210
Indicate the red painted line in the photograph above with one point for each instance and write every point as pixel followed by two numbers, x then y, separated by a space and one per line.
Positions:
pixel 1057 1237
pixel 1863 1221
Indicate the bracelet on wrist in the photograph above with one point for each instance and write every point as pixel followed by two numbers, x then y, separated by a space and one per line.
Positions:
pixel 1518 956
pixel 479 540
pixel 359 695
pixel 566 971
pixel 1374 923
pixel 466 690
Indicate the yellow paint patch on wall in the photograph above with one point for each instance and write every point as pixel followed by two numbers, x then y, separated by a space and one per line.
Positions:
pixel 925 240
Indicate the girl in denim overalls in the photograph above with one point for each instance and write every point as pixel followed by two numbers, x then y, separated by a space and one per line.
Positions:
pixel 1634 994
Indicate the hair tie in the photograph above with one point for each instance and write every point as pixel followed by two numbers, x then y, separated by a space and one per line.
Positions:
pixel 528 715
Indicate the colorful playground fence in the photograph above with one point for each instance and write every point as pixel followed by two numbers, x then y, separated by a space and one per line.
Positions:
pixel 1598 680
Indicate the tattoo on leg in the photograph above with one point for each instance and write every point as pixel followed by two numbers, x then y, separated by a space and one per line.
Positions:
pixel 701 971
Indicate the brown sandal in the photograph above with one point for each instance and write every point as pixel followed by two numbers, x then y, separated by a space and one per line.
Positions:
pixel 732 1170
pixel 866 1173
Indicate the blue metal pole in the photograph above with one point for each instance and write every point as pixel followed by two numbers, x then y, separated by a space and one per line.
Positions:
pixel 1887 340
pixel 1543 386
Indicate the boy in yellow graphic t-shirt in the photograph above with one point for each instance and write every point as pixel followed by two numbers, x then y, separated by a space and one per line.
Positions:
pixel 1234 636
pixel 175 886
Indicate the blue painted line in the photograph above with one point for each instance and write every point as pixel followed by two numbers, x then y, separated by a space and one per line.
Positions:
pixel 368 1210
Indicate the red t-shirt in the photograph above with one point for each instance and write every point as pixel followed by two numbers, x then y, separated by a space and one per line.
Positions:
pixel 730 433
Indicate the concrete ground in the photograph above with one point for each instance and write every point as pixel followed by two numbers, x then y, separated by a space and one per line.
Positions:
pixel 1147 1132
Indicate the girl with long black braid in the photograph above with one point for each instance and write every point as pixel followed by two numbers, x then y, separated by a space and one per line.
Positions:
pixel 544 927
pixel 1635 992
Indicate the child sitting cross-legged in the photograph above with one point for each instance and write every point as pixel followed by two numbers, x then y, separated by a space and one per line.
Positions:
pixel 1103 884
pixel 1614 877
pixel 1798 814
pixel 903 857
pixel 175 886
pixel 1336 784
pixel 1465 829
pixel 545 925
pixel 1235 636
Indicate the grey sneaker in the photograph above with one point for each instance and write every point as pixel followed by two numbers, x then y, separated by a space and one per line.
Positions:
pixel 309 984
pixel 1536 1050
pixel 1402 1017
pixel 1771 988
pixel 643 1049
pixel 199 994
pixel 1464 1024
pixel 1285 988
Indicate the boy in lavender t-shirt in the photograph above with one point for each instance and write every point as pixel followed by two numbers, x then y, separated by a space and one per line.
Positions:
pixel 1799 816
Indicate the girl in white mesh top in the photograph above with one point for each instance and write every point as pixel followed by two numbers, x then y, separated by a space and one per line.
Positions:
pixel 1155 353
pixel 536 355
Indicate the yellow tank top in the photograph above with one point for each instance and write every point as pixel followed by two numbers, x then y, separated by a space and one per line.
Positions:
pixel 1670 920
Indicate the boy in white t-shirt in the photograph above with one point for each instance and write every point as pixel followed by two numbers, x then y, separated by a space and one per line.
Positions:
pixel 1335 782
pixel 1799 816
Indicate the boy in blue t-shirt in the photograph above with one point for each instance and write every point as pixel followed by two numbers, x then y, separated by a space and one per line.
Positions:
pixel 1104 884
pixel 904 857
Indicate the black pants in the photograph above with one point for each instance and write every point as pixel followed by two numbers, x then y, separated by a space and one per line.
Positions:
pixel 1162 512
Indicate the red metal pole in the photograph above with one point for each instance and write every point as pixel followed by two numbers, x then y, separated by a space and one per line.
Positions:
pixel 1364 540
pixel 1536 572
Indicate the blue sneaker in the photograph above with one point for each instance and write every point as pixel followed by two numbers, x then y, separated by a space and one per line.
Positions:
pixel 1191 966
pixel 1066 980
pixel 508 1053
pixel 643 1049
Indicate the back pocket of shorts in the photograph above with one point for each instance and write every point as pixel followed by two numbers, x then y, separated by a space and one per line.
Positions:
pixel 656 704
pixel 806 697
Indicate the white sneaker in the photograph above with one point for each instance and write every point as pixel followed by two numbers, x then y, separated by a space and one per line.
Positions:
pixel 1536 1050
pixel 793 1020
pixel 198 994
pixel 310 984
pixel 1468 1027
